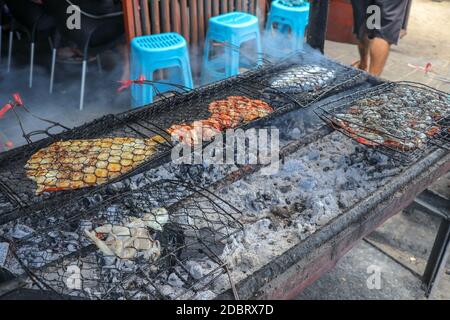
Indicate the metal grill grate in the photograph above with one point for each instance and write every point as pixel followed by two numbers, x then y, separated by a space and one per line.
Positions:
pixel 418 115
pixel 146 122
pixel 331 78
pixel 177 256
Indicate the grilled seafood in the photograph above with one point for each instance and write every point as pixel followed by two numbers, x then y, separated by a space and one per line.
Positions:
pixel 303 78
pixel 75 164
pixel 403 118
pixel 225 114
pixel 132 239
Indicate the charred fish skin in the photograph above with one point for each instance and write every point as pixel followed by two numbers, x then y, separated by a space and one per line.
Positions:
pixel 303 79
pixel 403 118
pixel 75 164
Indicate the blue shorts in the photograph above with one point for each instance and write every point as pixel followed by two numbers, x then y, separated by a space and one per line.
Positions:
pixel 392 16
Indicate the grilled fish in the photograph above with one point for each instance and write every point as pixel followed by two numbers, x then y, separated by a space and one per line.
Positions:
pixel 75 164
pixel 303 78
pixel 404 118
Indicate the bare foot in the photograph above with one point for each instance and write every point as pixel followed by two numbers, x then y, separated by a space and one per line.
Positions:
pixel 359 65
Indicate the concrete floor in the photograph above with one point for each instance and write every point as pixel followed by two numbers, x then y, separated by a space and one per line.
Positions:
pixel 401 246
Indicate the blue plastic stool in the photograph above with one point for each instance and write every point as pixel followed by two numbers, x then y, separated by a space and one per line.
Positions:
pixel 232 29
pixel 156 52
pixel 294 18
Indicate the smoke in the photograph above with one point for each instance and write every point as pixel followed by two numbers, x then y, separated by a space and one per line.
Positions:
pixel 101 97
pixel 63 105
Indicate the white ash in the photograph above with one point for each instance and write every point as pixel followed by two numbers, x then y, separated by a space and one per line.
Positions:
pixel 175 281
pixel 4 250
pixel 314 185
pixel 20 231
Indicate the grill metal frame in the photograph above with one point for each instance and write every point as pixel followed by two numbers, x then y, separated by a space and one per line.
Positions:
pixel 328 113
pixel 17 190
pixel 181 241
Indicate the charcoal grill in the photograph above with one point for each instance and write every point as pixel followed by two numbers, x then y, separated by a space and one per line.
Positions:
pixel 17 192
pixel 310 253
pixel 330 114
pixel 50 256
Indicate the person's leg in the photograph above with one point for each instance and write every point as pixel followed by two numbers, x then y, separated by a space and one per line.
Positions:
pixel 360 30
pixel 363 49
pixel 392 16
pixel 379 52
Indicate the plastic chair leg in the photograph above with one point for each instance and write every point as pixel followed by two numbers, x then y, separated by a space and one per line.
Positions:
pixel 233 65
pixel 30 81
pixel 11 37
pixel 83 83
pixel 52 73
pixel 260 53
pixel 204 76
pixel 187 75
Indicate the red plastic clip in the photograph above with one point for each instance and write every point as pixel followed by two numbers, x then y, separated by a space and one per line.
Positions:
pixel 17 99
pixel 125 84
pixel 5 109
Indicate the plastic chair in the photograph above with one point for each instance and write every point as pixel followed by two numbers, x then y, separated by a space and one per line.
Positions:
pixel 232 29
pixel 31 18
pixel 293 18
pixel 157 52
pixel 98 32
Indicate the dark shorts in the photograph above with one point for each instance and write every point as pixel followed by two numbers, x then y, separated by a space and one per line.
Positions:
pixel 392 16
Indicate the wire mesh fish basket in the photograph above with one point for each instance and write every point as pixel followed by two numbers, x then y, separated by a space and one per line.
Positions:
pixel 161 241
pixel 403 120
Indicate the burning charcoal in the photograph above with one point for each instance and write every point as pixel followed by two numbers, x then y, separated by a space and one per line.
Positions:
pixel 307 184
pixel 221 283
pixel 314 155
pixel 127 265
pixel 296 134
pixel 323 220
pixel 91 201
pixel 346 199
pixel 72 248
pixel 53 234
pixel 285 189
pixel 195 269
pixel 4 248
pixel 108 261
pixel 251 203
pixel 21 231
pixel 70 236
pixel 85 225
pixel 291 166
pixel 205 295
pixel 341 179
pixel 175 281
pixel 137 182
pixel 116 187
